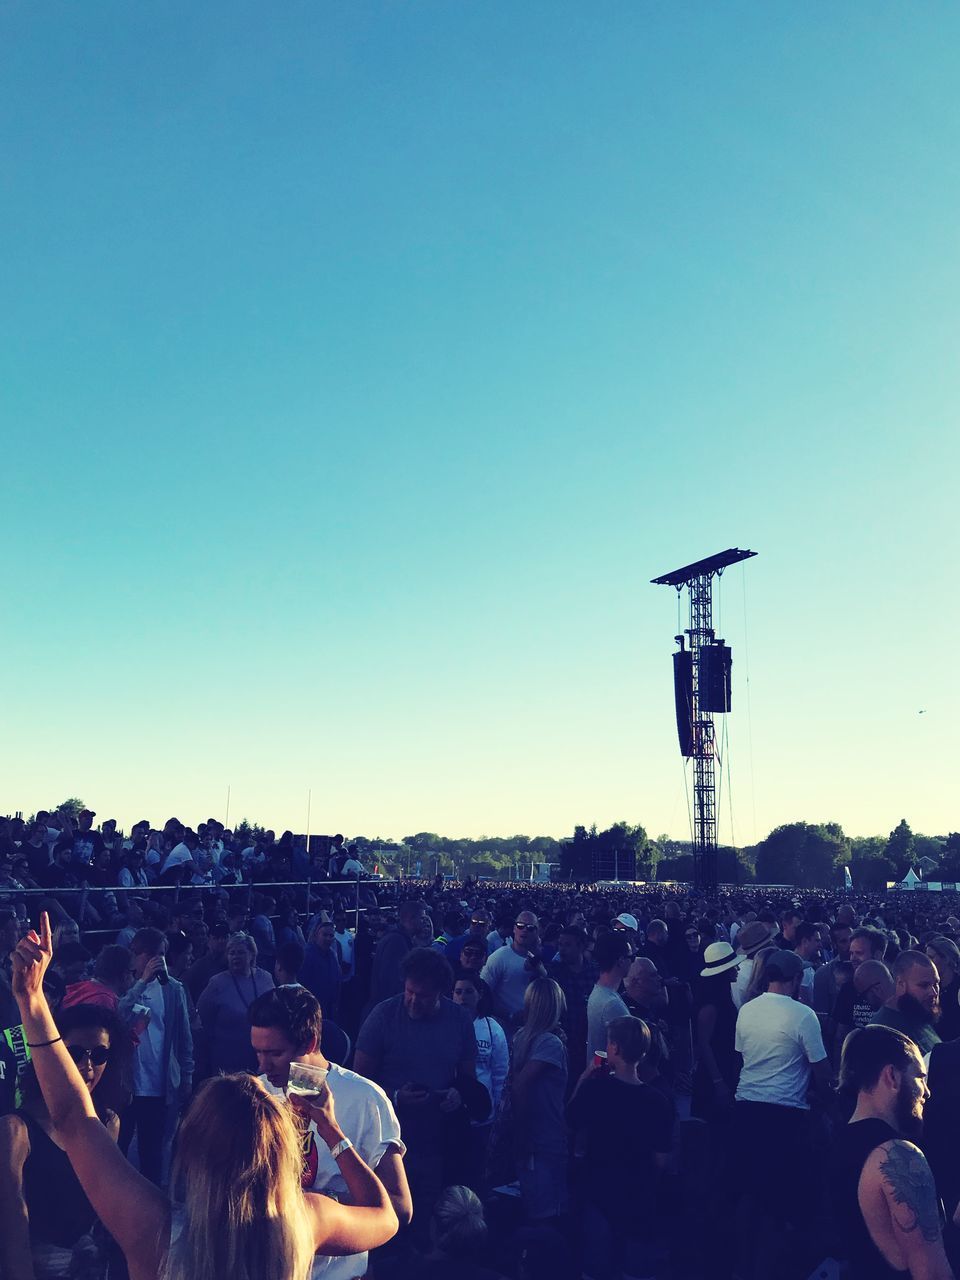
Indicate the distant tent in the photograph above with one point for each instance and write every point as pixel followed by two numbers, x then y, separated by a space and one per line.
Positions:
pixel 910 880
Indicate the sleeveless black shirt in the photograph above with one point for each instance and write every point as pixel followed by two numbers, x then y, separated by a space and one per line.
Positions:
pixel 850 1153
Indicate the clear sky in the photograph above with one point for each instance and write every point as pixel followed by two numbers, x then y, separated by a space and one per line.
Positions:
pixel 362 362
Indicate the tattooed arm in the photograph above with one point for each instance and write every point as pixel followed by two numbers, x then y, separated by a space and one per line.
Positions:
pixel 906 1224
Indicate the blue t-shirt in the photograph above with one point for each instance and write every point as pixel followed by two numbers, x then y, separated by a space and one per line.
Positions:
pixel 422 1051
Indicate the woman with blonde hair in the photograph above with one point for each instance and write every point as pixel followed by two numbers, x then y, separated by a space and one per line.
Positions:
pixel 539 1089
pixel 758 978
pixel 240 1211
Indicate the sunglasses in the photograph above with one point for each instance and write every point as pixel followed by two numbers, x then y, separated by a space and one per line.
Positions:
pixel 98 1055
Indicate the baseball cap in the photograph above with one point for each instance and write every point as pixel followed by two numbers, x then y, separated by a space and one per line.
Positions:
pixel 784 966
pixel 627 920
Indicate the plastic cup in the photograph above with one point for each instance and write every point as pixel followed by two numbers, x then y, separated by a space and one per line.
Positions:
pixel 305 1081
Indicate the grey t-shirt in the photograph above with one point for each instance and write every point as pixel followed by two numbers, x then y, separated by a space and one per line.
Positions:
pixel 423 1051
pixel 546 1130
pixel 603 1006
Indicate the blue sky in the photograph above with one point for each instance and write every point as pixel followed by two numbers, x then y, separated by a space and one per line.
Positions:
pixel 361 364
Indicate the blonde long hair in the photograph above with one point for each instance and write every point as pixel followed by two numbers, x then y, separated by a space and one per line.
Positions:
pixel 237 1170
pixel 543 1007
pixel 758 974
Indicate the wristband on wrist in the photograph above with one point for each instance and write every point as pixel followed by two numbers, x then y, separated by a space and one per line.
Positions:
pixel 42 1044
pixel 343 1145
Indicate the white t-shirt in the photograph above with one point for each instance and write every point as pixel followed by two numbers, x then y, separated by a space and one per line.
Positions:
pixel 508 977
pixel 148 1081
pixel 779 1039
pixel 495 941
pixel 351 868
pixel 179 853
pixel 367 1118
pixel 346 942
pixel 739 988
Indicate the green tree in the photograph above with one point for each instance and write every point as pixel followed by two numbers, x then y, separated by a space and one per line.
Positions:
pixel 424 842
pixel 950 862
pixel 900 847
pixel 677 866
pixel 872 872
pixel 72 807
pixel 799 853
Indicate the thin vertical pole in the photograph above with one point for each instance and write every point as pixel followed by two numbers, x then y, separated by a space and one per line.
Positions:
pixel 309 858
pixel 226 816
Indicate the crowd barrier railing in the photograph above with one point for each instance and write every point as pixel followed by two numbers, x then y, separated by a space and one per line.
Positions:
pixel 178 889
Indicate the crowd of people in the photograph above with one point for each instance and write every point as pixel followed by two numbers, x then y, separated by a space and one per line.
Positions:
pixel 502 1080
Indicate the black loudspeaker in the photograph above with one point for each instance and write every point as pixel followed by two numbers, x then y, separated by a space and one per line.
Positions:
pixel 714 683
pixel 683 698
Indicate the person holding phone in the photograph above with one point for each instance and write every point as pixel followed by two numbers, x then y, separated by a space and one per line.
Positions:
pixel 241 1211
pixel 155 1008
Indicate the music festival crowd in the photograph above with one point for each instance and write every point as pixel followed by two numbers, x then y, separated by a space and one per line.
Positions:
pixel 228 1058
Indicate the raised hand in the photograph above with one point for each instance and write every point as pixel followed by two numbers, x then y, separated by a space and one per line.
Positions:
pixel 31 959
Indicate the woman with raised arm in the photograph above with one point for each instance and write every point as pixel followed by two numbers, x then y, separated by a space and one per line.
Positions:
pixel 46 1221
pixel 239 1210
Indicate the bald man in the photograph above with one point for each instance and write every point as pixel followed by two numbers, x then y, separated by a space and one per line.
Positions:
pixel 874 984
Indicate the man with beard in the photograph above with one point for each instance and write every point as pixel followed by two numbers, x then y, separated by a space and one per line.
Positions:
pixel 914 1006
pixel 885 1203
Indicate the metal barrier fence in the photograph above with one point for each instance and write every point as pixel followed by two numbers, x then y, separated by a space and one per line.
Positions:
pixel 137 891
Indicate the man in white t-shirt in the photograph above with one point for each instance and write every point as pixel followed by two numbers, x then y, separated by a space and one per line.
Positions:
pixel 285 1027
pixel 780 1040
pixel 510 970
pixel 182 855
pixel 782 1048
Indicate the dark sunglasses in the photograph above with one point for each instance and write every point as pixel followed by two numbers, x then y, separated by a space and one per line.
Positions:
pixel 98 1055
pixel 521 925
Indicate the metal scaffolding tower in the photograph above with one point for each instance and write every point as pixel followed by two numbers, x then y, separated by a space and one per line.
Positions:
pixel 698 579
